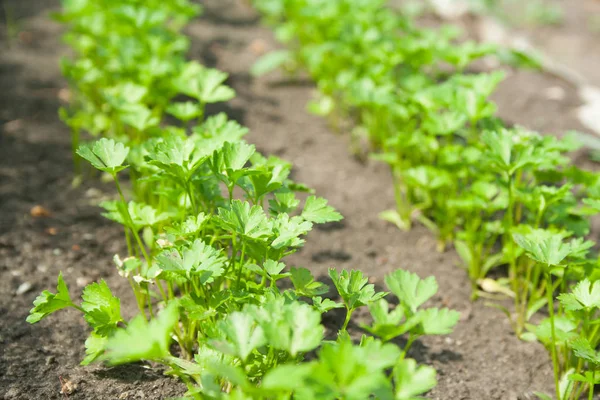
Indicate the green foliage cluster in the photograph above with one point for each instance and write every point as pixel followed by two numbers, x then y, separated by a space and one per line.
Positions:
pixel 208 226
pixel 505 197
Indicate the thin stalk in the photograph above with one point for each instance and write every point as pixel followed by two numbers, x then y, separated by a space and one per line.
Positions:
pixel 188 189
pixel 549 296
pixel 150 310
pixel 135 234
pixel 128 240
pixel 525 296
pixel 161 290
pixel 239 277
pixel 511 245
pixel 347 320
pixel 140 303
pixel 411 339
pixel 576 388
pixel 591 393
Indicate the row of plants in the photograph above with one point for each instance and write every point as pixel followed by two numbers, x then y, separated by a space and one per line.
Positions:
pixel 208 222
pixel 507 199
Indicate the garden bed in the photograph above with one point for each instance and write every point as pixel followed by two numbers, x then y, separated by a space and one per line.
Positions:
pixel 481 359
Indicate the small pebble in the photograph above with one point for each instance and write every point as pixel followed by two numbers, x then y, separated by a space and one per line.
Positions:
pixel 23 288
pixel 64 95
pixel 13 126
pixel 88 236
pixel 42 268
pixel 57 252
pixel 39 211
pixel 81 281
pixel 93 193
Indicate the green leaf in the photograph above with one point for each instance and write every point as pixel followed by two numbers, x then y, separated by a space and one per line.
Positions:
pixel 379 355
pixel 543 246
pixel 543 396
pixel 143 340
pixel 190 227
pixel 273 267
pixel 583 349
pixel 411 290
pixel 270 62
pixel 139 116
pixel 241 335
pixel 200 260
pixel 234 374
pixel 246 220
pixel 344 371
pixel 177 157
pixel 564 330
pixel 305 284
pixel 105 155
pixel 218 129
pixel 228 162
pixel 324 305
pixel 292 327
pixel 584 295
pixel 102 309
pixel 285 202
pixel 142 215
pixel 353 288
pixel 589 377
pixel 288 230
pixel 268 176
pixel 411 381
pixel 435 321
pixel 316 210
pixel 387 325
pixel 47 303
pixel 286 377
pixel 185 111
pixel 94 347
pixel 204 84
pixel 236 155
pixel 500 144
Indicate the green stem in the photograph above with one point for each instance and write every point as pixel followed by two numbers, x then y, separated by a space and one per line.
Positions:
pixel 135 234
pixel 149 298
pixel 411 339
pixel 239 277
pixel 161 290
pixel 347 320
pixel 513 262
pixel 139 302
pixel 128 240
pixel 188 189
pixel 549 296
pixel 591 393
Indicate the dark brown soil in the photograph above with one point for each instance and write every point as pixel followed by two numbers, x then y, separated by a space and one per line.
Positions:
pixel 482 359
